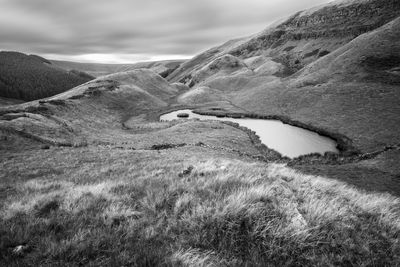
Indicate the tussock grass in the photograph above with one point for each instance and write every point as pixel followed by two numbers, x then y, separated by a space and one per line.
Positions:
pixel 225 212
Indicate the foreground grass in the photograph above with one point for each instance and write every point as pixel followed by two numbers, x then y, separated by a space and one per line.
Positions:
pixel 187 207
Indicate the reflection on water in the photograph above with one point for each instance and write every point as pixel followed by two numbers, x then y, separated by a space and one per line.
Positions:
pixel 288 140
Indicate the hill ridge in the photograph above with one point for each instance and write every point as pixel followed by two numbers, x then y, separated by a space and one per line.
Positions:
pixel 30 77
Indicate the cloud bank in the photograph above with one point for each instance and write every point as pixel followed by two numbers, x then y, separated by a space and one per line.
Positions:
pixel 133 30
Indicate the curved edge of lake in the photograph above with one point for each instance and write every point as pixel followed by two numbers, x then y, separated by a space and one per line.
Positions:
pixel 290 141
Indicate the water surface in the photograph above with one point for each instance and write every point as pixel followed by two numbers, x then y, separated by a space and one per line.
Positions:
pixel 290 141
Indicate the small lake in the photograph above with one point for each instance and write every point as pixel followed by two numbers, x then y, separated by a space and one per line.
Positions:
pixel 290 141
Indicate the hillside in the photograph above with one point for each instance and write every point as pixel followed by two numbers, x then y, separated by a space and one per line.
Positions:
pixel 32 77
pixel 187 206
pixel 303 37
pixel 97 108
pixel 334 66
pixel 163 68
pixel 372 57
pixel 91 176
pixel 354 90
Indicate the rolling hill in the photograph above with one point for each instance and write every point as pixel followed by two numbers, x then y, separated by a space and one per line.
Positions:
pixel 32 77
pixel 96 108
pixel 90 176
pixel 163 68
pixel 334 66
pixel 372 57
pixel 303 37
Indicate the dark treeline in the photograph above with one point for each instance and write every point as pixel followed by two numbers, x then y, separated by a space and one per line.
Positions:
pixel 32 77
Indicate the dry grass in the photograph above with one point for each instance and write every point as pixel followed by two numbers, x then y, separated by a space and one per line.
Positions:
pixel 119 207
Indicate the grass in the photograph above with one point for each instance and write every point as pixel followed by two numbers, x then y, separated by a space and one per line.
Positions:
pixel 380 174
pixel 147 195
pixel 117 207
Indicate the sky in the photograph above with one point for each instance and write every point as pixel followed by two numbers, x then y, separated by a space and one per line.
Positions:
pixel 127 31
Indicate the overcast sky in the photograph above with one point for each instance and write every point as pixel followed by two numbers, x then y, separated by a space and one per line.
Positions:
pixel 113 31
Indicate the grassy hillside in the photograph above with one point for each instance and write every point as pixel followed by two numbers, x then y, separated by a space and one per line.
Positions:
pixel 92 177
pixel 352 90
pixel 334 67
pixel 97 108
pixel 89 177
pixel 303 37
pixel 32 77
pixel 372 57
pixel 183 72
pixel 163 68
pixel 201 95
pixel 185 207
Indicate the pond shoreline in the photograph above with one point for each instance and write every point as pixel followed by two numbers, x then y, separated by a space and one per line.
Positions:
pixel 347 152
pixel 344 144
pixel 267 153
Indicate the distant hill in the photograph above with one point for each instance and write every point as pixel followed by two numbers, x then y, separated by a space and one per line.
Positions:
pixel 30 77
pixel 303 37
pixel 98 107
pixel 163 68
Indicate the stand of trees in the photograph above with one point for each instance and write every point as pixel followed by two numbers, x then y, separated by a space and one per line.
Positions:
pixel 32 77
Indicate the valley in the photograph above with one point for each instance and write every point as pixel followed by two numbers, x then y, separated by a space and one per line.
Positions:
pixel 96 174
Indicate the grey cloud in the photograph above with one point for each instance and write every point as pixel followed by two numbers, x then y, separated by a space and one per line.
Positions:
pixel 152 27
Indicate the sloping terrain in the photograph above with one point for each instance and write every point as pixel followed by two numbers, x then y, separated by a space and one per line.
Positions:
pixel 372 57
pixel 183 72
pixel 354 90
pixel 221 66
pixel 76 116
pixel 193 206
pixel 334 66
pixel 92 177
pixel 32 77
pixel 303 37
pixel 163 68
pixel 201 95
